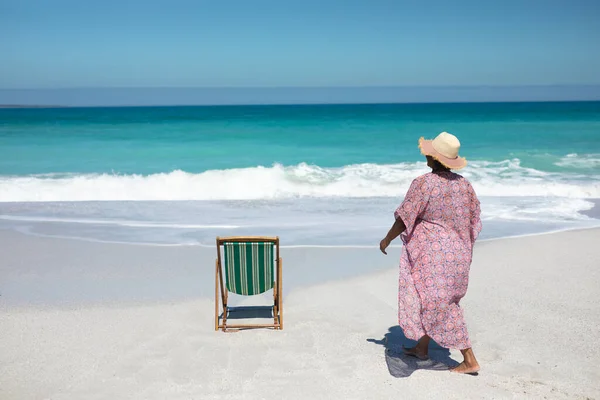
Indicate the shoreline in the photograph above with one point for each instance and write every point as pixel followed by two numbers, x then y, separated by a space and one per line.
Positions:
pixel 291 246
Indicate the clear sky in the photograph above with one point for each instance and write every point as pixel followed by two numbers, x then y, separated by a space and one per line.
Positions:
pixel 302 43
pixel 241 43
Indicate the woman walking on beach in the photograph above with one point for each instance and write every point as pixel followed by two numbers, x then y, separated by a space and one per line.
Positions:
pixel 438 221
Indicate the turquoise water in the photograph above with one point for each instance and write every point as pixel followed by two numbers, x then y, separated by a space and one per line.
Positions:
pixel 165 174
pixel 196 139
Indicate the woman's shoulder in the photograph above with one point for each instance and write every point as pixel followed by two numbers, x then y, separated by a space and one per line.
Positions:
pixel 453 176
pixel 442 176
pixel 423 180
pixel 465 183
pixel 437 178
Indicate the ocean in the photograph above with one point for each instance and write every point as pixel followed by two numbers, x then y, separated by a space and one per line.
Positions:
pixel 317 175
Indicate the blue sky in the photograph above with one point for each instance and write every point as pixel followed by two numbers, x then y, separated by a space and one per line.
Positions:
pixel 243 43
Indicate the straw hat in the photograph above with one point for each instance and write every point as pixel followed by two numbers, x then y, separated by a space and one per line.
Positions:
pixel 443 148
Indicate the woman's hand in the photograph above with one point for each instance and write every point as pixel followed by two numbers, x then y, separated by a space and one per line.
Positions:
pixel 383 245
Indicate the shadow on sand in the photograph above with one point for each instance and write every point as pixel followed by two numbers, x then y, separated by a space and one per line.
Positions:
pixel 401 365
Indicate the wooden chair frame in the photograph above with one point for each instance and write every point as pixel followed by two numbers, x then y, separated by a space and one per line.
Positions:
pixel 222 292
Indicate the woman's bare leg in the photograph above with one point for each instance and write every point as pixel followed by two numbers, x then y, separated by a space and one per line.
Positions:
pixel 469 365
pixel 421 350
pixel 422 346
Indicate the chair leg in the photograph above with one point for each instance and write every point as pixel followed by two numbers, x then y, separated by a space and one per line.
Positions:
pixel 275 308
pixel 216 295
pixel 280 293
pixel 225 313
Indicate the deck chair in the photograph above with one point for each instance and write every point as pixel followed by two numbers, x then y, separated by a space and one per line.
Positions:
pixel 248 263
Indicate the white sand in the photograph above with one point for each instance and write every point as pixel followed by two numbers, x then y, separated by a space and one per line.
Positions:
pixel 532 308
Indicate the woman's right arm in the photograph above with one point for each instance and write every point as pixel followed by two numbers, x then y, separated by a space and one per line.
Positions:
pixel 407 214
pixel 397 228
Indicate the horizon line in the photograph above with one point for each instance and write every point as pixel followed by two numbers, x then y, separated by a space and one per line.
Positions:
pixel 47 106
pixel 310 87
pixel 244 95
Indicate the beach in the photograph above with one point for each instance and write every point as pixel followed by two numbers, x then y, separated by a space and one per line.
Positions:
pixel 99 320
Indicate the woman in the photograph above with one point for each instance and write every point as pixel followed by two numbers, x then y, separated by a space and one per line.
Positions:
pixel 439 221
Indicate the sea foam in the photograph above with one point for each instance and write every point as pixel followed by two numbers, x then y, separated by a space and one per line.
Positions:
pixel 505 178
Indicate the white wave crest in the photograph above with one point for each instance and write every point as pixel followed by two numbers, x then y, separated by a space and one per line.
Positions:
pixel 506 178
pixel 535 209
pixel 585 161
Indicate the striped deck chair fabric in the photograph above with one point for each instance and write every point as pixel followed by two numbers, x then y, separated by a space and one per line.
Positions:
pixel 249 267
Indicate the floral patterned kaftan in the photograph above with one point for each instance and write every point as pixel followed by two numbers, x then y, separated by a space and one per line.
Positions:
pixel 442 217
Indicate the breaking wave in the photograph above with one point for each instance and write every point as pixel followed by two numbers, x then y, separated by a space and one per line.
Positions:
pixel 504 178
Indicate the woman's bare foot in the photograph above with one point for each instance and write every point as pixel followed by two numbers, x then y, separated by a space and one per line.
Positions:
pixel 415 352
pixel 469 365
pixel 463 368
pixel 421 350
